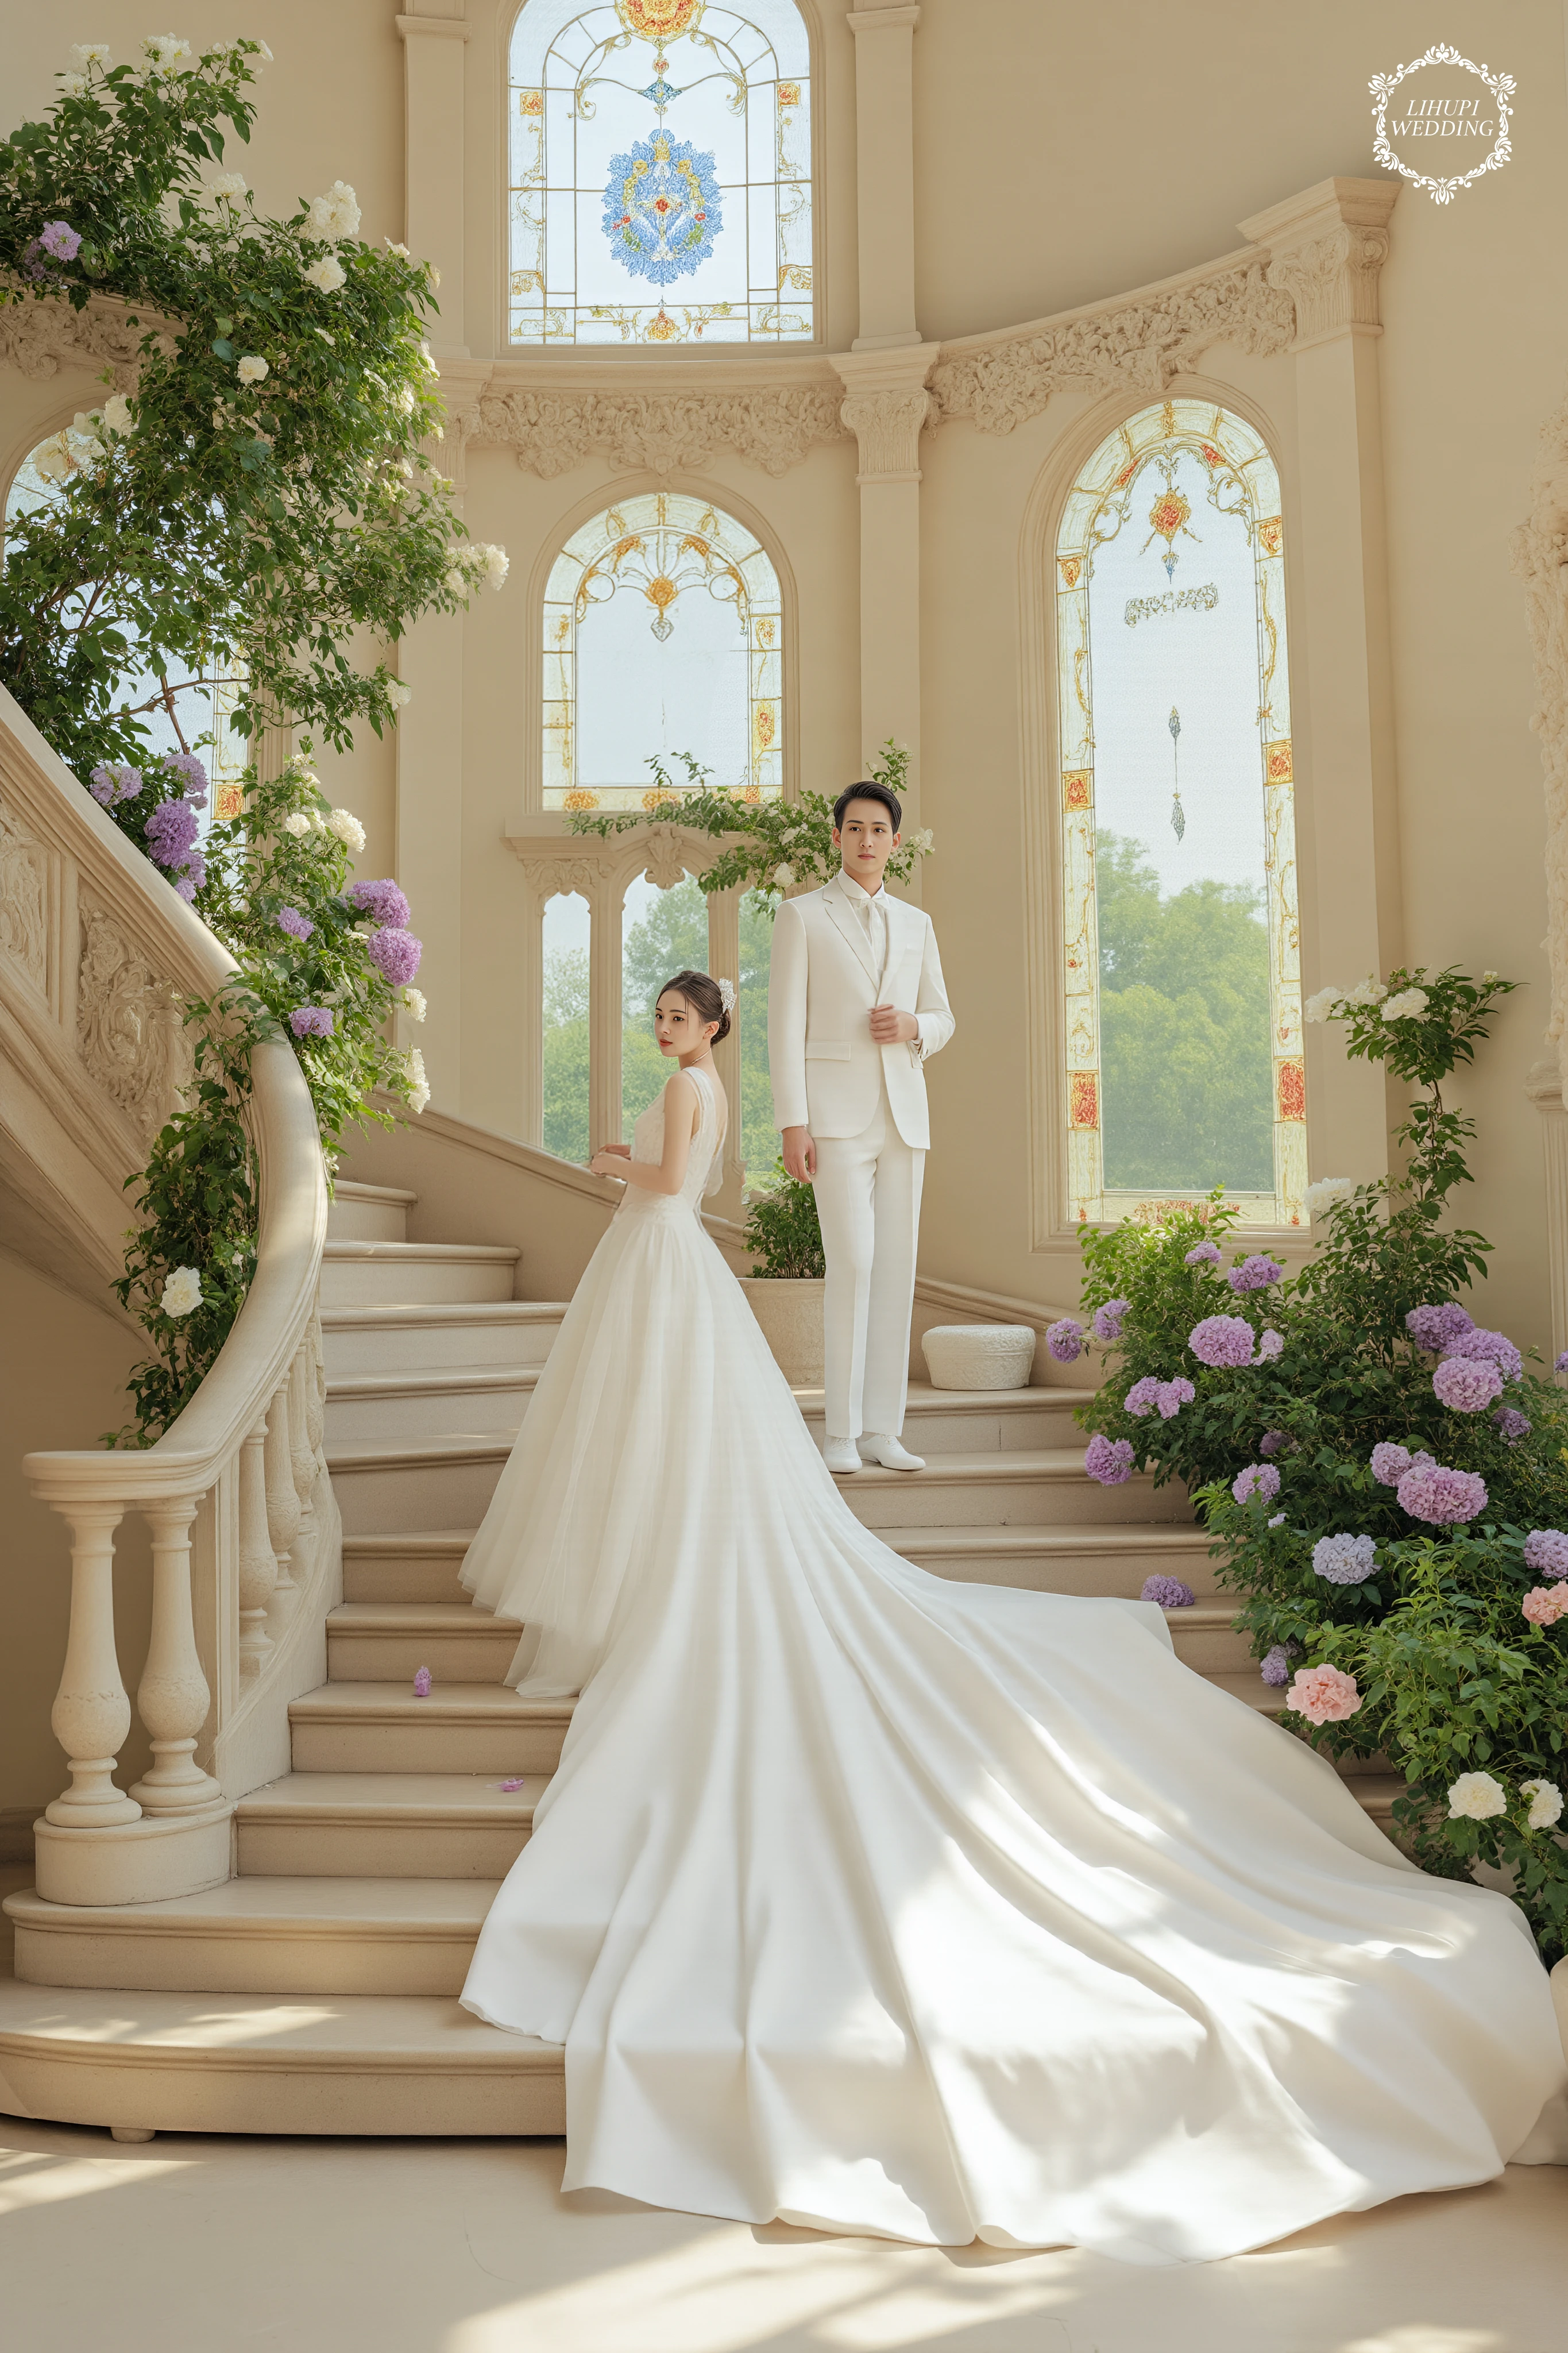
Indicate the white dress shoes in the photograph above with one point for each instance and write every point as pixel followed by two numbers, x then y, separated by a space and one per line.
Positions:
pixel 890 1452
pixel 841 1454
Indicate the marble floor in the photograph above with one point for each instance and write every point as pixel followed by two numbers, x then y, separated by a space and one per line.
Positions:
pixel 195 2246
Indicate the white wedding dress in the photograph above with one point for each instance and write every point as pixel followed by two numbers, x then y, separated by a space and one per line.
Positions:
pixel 887 1904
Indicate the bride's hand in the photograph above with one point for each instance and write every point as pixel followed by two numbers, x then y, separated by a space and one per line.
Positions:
pixel 605 1162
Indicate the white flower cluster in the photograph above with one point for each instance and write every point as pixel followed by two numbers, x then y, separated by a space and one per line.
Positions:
pixel 90 53
pixel 299 825
pixel 483 566
pixel 181 1291
pixel 348 828
pixel 227 187
pixel 923 841
pixel 1407 1006
pixel 418 1086
pixel 414 1003
pixel 325 273
pixel 164 51
pixel 252 368
pixel 400 250
pixel 1480 1797
pixel 71 84
pixel 1545 1803
pixel 334 216
pixel 397 695
pixel 1327 1193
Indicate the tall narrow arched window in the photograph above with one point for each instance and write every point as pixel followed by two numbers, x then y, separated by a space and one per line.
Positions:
pixel 1182 1000
pixel 660 173
pixel 663 634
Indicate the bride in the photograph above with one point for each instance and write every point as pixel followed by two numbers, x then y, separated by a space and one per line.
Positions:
pixel 881 1904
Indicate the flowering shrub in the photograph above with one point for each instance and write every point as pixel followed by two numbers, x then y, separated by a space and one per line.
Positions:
pixel 782 844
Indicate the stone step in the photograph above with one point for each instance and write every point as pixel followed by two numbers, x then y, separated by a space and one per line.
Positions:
pixel 406 1275
pixel 301 1935
pixel 217 2063
pixel 375 1408
pixel 389 1641
pixel 490 1333
pixel 419 1566
pixel 384 1826
pixel 1207 1639
pixel 368 1213
pixel 971 1421
pixel 461 1729
pixel 445 1483
pixel 1034 1486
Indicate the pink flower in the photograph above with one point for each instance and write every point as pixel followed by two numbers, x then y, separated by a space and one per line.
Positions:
pixel 1205 1254
pixel 1547 1548
pixel 1465 1386
pixel 1142 1396
pixel 1323 1694
pixel 1171 1396
pixel 1544 1604
pixel 1109 1459
pixel 1065 1339
pixel 1429 1491
pixel 1222 1340
pixel 1259 1479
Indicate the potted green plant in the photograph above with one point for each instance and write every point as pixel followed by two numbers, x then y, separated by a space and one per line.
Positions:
pixel 785 1284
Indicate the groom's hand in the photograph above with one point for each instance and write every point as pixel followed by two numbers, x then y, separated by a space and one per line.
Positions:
pixel 799 1155
pixel 891 1027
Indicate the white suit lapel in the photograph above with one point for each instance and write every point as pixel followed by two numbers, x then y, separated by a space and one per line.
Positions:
pixel 847 921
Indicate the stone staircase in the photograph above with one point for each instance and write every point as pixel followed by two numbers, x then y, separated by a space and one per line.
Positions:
pixel 315 1990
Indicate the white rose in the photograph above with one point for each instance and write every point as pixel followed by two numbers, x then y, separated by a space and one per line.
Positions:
pixel 251 369
pixel 401 250
pixel 782 877
pixel 326 273
pixel 226 187
pixel 117 413
pixel 297 823
pixel 456 581
pixel 418 1084
pixel 71 84
pixel 1324 1005
pixel 181 1291
pixel 1327 1193
pixel 1545 1803
pixel 397 695
pixel 1475 1798
pixel 165 48
pixel 491 562
pixel 348 828
pixel 1369 991
pixel 1405 1006
pixel 336 215
pixel 1487 978
pixel 413 1004
pixel 90 53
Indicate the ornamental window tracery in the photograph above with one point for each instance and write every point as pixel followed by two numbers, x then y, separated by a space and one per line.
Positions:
pixel 1182 1001
pixel 663 634
pixel 660 173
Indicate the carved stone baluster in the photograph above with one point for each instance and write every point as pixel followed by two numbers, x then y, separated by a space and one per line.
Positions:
pixel 316 1396
pixel 258 1567
pixel 282 1502
pixel 91 1713
pixel 173 1696
pixel 301 1454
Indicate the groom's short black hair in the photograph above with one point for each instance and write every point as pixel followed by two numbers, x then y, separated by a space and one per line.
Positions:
pixel 889 801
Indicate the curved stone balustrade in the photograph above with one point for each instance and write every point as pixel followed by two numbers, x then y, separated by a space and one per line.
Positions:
pixel 95 951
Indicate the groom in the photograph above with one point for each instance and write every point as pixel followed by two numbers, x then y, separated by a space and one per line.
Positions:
pixel 856 1003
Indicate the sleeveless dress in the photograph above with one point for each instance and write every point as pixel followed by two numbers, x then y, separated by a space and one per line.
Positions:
pixel 875 1903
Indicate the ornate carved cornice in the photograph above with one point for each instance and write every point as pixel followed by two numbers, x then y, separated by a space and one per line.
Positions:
pixel 649 422
pixel 1326 249
pixel 39 338
pixel 1139 341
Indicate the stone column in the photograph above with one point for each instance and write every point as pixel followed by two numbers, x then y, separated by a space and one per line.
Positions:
pixel 885 174
pixel 434 36
pixel 1326 247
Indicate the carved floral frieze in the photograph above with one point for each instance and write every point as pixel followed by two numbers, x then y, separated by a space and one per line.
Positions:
pixel 24 901
pixel 130 1035
pixel 553 430
pixel 39 339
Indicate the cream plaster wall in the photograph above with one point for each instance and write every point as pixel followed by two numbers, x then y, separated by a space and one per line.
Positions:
pixel 1061 155
pixel 62 1383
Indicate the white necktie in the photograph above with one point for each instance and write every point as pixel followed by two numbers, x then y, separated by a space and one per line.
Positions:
pixel 876 925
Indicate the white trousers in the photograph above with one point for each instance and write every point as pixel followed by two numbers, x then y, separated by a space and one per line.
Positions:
pixel 869 1201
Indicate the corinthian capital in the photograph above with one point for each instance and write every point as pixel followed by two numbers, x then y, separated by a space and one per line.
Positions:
pixel 1326 249
pixel 886 404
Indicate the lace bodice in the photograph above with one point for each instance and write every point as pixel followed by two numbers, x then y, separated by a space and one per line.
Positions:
pixel 703 1170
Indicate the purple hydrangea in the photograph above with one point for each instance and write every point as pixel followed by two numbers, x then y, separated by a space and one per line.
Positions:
pixel 1276 1667
pixel 1109 1459
pixel 172 833
pixel 189 881
pixel 1170 1396
pixel 1222 1340
pixel 312 1020
pixel 1560 1363
pixel 1513 1424
pixel 1107 1321
pixel 1484 1348
pixel 1344 1560
pixel 1438 1329
pixel 1275 1442
pixel 1255 1273
pixel 1065 1340
pixel 1143 1397
pixel 395 953
pixel 1259 1479
pixel 1546 1550
pixel 193 775
pixel 60 240
pixel 1428 1491
pixel 1270 1343
pixel 1390 1463
pixel 298 926
pixel 1465 1386
pixel 1167 1593
pixel 382 901
pixel 117 781
pixel 1205 1254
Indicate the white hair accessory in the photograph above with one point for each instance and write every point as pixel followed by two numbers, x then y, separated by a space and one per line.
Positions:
pixel 727 994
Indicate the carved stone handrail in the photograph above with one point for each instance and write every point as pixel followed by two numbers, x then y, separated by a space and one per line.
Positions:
pixel 95 950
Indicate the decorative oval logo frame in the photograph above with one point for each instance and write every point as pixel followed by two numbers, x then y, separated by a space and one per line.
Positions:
pixel 1382 87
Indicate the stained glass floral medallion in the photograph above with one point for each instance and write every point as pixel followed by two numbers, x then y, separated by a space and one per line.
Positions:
pixel 1180 954
pixel 654 144
pixel 663 633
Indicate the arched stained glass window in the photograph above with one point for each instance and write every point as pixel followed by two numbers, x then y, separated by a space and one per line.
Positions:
pixel 1183 1061
pixel 661 172
pixel 663 634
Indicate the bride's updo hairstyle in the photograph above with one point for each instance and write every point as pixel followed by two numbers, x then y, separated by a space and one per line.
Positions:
pixel 701 991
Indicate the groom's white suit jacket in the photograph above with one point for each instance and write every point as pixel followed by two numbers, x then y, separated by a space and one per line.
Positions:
pixel 828 1069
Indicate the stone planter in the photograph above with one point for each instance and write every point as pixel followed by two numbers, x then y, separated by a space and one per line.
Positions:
pixel 979 1355
pixel 789 1309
